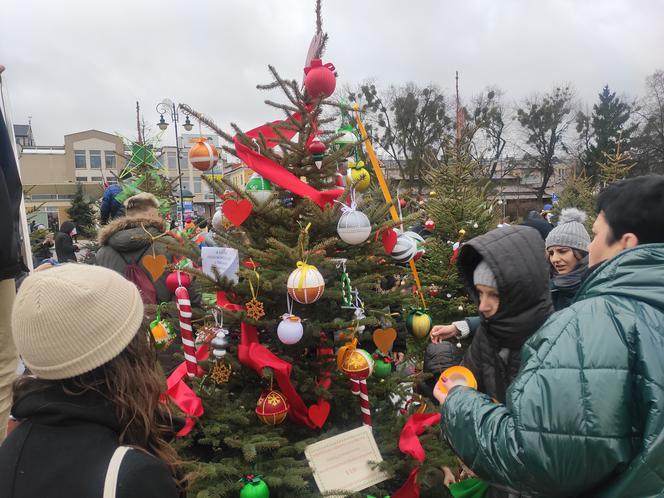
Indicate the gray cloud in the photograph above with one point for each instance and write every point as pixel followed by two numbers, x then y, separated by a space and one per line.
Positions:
pixel 74 64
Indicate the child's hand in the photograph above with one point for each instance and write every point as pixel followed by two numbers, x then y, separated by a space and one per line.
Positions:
pixel 449 477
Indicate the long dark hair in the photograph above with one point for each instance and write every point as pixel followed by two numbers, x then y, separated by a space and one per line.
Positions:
pixel 132 383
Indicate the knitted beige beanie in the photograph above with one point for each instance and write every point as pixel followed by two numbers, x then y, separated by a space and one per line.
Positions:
pixel 73 318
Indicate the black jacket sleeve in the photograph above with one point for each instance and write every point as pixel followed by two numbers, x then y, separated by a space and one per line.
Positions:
pixel 145 476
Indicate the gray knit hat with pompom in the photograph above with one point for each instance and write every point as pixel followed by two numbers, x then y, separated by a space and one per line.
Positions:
pixel 570 231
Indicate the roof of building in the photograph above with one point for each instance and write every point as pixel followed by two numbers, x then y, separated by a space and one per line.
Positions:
pixel 21 130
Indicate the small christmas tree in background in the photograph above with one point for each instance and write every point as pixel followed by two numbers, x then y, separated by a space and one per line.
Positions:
pixel 83 214
pixel 579 192
pixel 615 166
pixel 309 249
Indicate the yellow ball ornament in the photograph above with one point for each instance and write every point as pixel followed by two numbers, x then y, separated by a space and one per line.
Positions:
pixel 358 176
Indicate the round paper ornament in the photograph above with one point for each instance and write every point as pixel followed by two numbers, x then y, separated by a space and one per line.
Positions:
pixel 305 284
pixel 218 220
pixel 430 225
pixel 405 249
pixel 203 155
pixel 259 188
pixel 272 407
pixel 317 150
pixel 418 322
pixel 354 227
pixel 359 176
pixel 319 79
pixel 173 281
pixel 290 329
pixel 419 244
pixel 254 487
pixel 382 367
pixel 357 364
pixel 457 376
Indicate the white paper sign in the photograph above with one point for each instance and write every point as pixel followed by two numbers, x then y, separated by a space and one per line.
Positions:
pixel 226 260
pixel 343 462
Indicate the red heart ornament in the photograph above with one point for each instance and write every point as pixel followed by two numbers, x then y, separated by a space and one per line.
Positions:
pixel 389 240
pixel 319 412
pixel 237 211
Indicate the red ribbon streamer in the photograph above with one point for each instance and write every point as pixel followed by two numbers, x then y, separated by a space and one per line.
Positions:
pixel 409 443
pixel 183 396
pixel 276 173
pixel 254 355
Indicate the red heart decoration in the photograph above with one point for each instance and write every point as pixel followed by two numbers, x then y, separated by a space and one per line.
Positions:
pixel 237 211
pixel 389 240
pixel 318 413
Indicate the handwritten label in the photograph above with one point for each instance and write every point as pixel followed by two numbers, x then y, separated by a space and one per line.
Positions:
pixel 226 260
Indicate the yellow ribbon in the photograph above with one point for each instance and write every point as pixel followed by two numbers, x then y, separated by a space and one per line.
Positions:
pixel 386 191
pixel 357 166
pixel 254 294
pixel 304 268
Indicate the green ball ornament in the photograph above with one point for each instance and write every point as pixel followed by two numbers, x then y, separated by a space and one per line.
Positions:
pixel 382 368
pixel 254 487
pixel 259 188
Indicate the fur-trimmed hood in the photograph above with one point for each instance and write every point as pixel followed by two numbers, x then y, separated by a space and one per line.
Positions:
pixel 127 234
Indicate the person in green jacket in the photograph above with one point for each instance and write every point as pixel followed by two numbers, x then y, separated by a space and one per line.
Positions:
pixel 585 414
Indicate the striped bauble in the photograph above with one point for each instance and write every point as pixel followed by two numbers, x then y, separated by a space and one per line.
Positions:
pixel 203 155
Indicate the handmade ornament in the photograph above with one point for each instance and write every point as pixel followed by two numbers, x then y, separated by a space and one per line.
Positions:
pixel 382 366
pixel 457 376
pixel 405 249
pixel 418 322
pixel 354 226
pixel 305 284
pixel 419 244
pixel 254 308
pixel 346 137
pixel 221 372
pixel 339 179
pixel 290 329
pixel 272 407
pixel 389 238
pixel 259 188
pixel 384 339
pixel 434 290
pixel 430 225
pixel 184 315
pixel 203 155
pixel 219 343
pixel 346 287
pixel 155 265
pixel 319 79
pixel 254 487
pixel 358 176
pixel 162 331
pixel 237 211
pixel 218 220
pixel 358 365
pixel 317 150
pixel 177 279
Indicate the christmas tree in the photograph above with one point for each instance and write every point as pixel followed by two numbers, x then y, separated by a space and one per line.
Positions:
pixel 579 193
pixel 616 165
pixel 82 213
pixel 288 314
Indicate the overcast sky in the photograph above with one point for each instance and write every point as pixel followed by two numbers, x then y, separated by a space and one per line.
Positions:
pixel 79 64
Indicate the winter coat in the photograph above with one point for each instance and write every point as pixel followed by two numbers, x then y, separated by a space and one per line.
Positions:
pixel 585 416
pixel 63 446
pixel 64 245
pixel 565 287
pixel 515 255
pixel 110 208
pixel 124 241
pixel 535 220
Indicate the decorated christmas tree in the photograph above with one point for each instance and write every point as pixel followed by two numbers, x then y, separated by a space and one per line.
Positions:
pixel 300 310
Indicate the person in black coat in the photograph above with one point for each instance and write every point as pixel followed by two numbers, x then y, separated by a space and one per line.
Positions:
pixel 95 392
pixel 65 249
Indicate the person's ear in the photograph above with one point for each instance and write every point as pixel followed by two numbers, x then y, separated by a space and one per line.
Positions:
pixel 629 240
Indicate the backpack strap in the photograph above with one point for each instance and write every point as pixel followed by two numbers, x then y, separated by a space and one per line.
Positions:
pixel 111 481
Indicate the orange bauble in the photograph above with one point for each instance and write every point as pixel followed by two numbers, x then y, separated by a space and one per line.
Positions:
pixel 305 284
pixel 357 364
pixel 203 155
pixel 272 407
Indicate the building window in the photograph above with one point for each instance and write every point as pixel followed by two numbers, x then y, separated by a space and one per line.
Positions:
pixel 172 161
pixel 96 179
pixel 81 178
pixel 79 159
pixel 95 159
pixel 109 159
pixel 197 185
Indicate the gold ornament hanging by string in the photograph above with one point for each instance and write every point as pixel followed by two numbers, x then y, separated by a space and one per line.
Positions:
pixel 254 308
pixel 221 372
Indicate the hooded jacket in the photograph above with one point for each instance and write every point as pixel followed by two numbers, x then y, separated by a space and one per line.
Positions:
pixel 64 245
pixel 63 445
pixel 585 416
pixel 515 255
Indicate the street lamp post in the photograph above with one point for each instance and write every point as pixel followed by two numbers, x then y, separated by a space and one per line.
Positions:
pixel 168 107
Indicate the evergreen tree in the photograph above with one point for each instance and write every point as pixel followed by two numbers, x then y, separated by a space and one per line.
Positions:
pixel 579 192
pixel 615 166
pixel 83 214
pixel 230 441
pixel 601 131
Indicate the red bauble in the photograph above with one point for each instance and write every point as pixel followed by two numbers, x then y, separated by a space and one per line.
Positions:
pixel 172 280
pixel 430 225
pixel 319 79
pixel 272 407
pixel 317 147
pixel 402 203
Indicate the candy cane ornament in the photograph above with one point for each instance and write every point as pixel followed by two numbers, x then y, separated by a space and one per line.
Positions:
pixel 364 403
pixel 184 315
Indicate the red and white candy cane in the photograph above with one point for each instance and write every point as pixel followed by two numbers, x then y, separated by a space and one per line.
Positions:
pixel 364 402
pixel 184 315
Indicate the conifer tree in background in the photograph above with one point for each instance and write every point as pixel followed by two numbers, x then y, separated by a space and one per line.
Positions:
pixel 83 214
pixel 579 192
pixel 616 165
pixel 279 235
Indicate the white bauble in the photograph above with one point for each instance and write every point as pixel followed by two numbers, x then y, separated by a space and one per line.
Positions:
pixel 354 227
pixel 290 330
pixel 405 248
pixel 218 221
